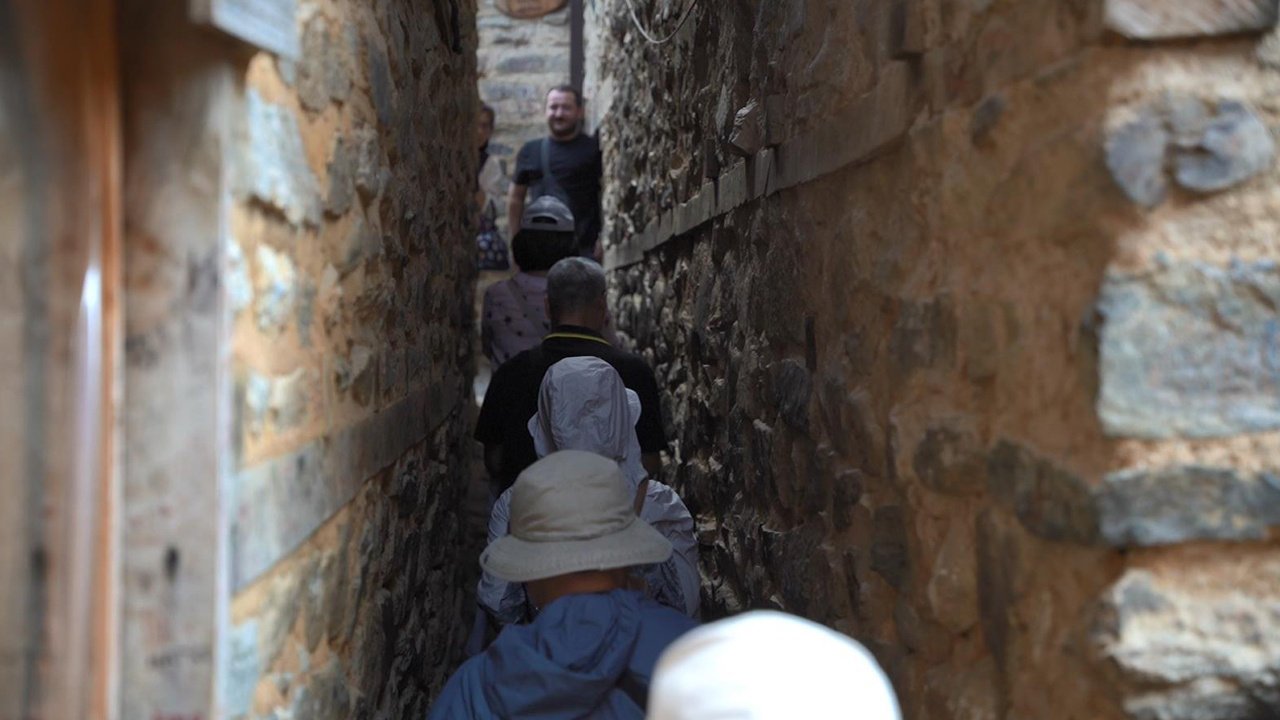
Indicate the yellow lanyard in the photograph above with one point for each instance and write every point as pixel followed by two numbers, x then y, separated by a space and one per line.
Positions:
pixel 576 336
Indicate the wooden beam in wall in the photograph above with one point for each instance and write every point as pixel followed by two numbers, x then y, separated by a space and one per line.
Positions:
pixel 59 209
pixel 267 25
pixel 180 95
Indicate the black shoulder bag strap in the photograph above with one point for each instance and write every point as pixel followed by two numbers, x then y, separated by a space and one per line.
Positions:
pixel 550 186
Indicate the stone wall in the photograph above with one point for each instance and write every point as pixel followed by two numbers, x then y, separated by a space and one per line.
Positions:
pixel 350 271
pixel 519 62
pixel 965 316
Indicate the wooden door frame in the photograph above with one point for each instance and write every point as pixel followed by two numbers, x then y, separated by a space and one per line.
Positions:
pixel 62 65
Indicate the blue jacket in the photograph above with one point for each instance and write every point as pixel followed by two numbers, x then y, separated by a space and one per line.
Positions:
pixel 585 657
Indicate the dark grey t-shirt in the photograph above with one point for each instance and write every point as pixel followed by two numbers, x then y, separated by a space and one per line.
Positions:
pixel 576 166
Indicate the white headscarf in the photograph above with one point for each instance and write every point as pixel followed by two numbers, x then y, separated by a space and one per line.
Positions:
pixel 769 666
pixel 584 405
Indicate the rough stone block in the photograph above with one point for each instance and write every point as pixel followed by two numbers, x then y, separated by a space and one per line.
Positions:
pixel 1186 117
pixel 522 64
pixel 243 669
pixel 979 337
pixel 257 391
pixel 924 336
pixel 1049 501
pixel 793 387
pixel 276 172
pixel 1236 145
pixel 761 171
pixel 239 286
pixel 889 554
pixel 906 29
pixel 322 74
pixel 368 175
pixel 1186 503
pixel 1000 582
pixel 952 591
pixel 846 491
pixel 325 697
pixel 278 616
pixel 748 130
pixel 951 459
pixel 276 288
pixel 733 189
pixel 986 116
pixel 776 111
pixel 1189 350
pixel 305 310
pixel 1160 19
pixel 1268 51
pixel 1192 654
pixel 342 168
pixel 287 404
pixel 851 425
pixel 355 373
pixel 336 587
pixel 1136 157
pixel 380 84
pixel 363 242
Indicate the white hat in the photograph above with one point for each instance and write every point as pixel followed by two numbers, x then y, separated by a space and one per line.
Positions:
pixel 571 512
pixel 769 666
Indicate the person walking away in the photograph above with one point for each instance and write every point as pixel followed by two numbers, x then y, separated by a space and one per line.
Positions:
pixel 589 653
pixel 514 313
pixel 513 318
pixel 583 405
pixel 577 308
pixel 493 251
pixel 567 164
pixel 767 665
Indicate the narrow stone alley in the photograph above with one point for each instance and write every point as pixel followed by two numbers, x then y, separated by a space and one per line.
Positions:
pixel 963 312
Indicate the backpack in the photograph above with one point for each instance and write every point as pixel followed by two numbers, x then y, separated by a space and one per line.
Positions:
pixel 491 248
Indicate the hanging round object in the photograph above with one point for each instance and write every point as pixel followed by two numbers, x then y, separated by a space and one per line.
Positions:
pixel 529 9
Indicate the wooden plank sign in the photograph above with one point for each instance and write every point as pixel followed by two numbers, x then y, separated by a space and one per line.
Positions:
pixel 529 9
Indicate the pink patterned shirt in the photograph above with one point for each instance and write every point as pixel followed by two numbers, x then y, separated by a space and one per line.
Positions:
pixel 514 317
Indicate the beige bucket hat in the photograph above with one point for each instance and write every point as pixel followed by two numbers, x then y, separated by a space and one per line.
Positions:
pixel 571 512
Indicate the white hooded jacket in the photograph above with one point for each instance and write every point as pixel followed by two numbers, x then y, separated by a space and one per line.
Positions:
pixel 584 405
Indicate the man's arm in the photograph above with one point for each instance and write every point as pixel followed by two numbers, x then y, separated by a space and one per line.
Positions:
pixel 649 429
pixel 652 463
pixel 493 459
pixel 515 207
pixel 486 326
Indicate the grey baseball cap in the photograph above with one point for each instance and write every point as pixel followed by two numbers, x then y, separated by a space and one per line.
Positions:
pixel 547 213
